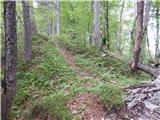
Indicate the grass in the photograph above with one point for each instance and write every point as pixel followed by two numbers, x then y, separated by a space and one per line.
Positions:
pixel 111 96
pixel 52 107
pixel 109 69
pixel 46 82
pixel 45 75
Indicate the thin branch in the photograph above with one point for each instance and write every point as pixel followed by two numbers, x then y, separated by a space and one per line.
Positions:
pixel 20 19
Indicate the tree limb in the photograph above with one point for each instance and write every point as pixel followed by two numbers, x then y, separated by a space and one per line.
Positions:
pixel 153 71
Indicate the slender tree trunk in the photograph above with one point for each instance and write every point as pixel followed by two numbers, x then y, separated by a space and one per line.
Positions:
pixel 53 26
pixel 96 21
pixel 120 29
pixel 33 23
pixel 157 32
pixel 58 17
pixel 134 26
pixel 34 27
pixel 138 37
pixel 148 46
pixel 49 26
pixel 9 82
pixel 103 25
pixel 145 29
pixel 27 32
pixel 107 24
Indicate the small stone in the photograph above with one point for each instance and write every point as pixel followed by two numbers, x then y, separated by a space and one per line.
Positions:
pixel 136 91
pixel 156 94
pixel 149 105
pixel 74 112
pixel 156 82
pixel 129 98
pixel 155 100
pixel 149 94
pixel 157 110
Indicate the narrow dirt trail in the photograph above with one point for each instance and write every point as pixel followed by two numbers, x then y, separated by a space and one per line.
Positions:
pixel 87 106
pixel 70 60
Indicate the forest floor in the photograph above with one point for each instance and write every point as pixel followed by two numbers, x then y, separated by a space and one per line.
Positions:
pixel 67 80
pixel 87 105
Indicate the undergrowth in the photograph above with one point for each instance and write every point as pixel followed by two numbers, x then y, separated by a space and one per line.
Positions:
pixel 42 81
pixel 108 68
pixel 111 96
pixel 51 107
pixel 45 75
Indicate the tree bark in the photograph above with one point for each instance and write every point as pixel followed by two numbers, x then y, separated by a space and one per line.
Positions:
pixel 157 32
pixel 58 16
pixel 107 24
pixel 9 82
pixel 120 28
pixel 153 71
pixel 139 31
pixel 145 29
pixel 33 22
pixel 53 26
pixel 27 32
pixel 96 22
pixel 48 26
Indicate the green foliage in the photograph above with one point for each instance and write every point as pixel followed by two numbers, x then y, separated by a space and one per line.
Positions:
pixel 111 96
pixel 46 72
pixel 77 47
pixel 40 37
pixel 75 16
pixel 52 107
pixel 110 69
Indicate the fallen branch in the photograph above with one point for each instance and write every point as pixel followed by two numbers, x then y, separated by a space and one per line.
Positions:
pixel 155 72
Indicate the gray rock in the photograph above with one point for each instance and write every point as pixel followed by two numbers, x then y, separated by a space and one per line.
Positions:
pixel 136 91
pixel 156 82
pixel 157 110
pixel 143 103
pixel 149 105
pixel 156 94
pixel 155 100
pixel 129 98
pixel 137 98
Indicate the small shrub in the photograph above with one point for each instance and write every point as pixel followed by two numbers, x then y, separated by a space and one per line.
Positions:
pixel 51 107
pixel 39 39
pixel 111 96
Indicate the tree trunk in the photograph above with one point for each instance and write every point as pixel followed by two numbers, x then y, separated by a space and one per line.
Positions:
pixel 138 37
pixel 58 17
pixel 53 26
pixel 27 32
pixel 33 22
pixel 96 22
pixel 157 32
pixel 34 27
pixel 145 29
pixel 48 26
pixel 120 29
pixel 9 86
pixel 107 25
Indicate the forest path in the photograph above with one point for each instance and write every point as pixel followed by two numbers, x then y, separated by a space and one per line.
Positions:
pixel 87 106
pixel 71 61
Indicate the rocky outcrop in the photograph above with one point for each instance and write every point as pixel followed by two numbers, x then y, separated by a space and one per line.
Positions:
pixel 143 100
